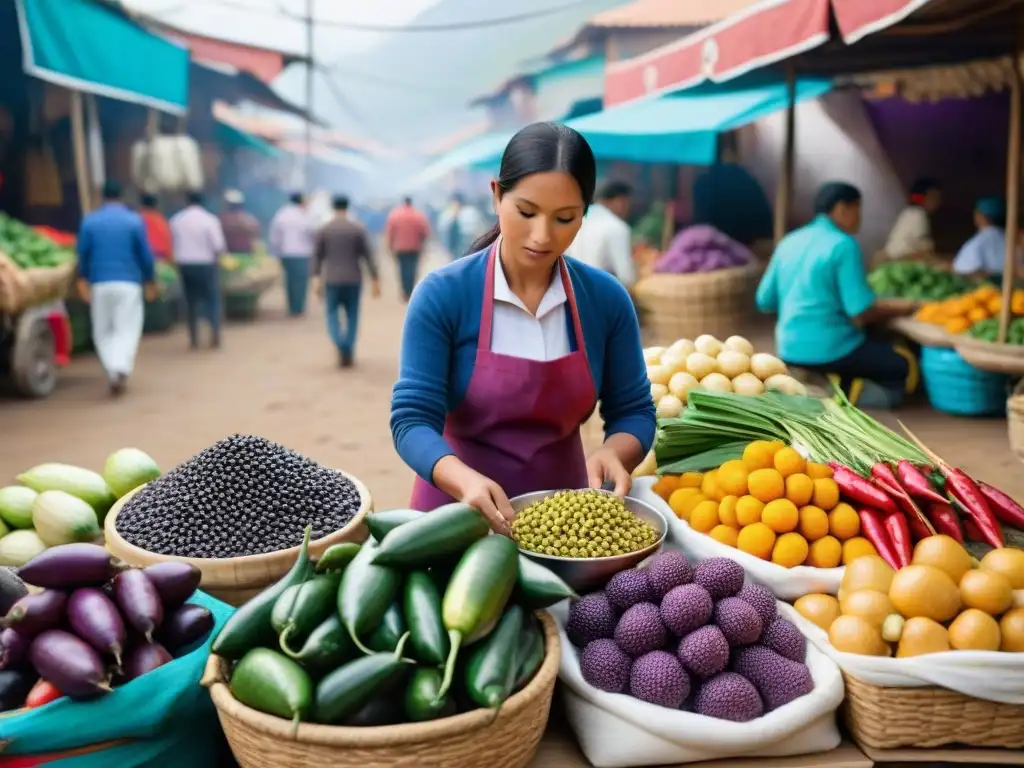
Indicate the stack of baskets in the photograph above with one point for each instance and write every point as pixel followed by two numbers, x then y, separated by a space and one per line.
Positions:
pixel 686 306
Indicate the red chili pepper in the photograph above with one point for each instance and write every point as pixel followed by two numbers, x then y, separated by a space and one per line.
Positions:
pixel 946 521
pixel 916 484
pixel 971 531
pixel 883 477
pixel 1003 506
pixel 969 495
pixel 873 528
pixel 43 692
pixel 899 532
pixel 860 490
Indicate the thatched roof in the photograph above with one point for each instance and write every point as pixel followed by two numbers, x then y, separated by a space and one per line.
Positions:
pixel 932 84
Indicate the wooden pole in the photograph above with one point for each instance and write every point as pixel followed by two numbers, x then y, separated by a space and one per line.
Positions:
pixel 784 191
pixel 1012 192
pixel 83 182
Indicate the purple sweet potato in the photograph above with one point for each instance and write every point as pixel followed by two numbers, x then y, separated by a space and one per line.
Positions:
pixel 175 582
pixel 94 618
pixel 69 663
pixel 34 613
pixel 139 602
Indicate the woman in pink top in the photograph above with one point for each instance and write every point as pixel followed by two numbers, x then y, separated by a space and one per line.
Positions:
pixel 406 231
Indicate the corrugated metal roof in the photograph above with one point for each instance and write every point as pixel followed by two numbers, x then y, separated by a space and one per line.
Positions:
pixel 668 13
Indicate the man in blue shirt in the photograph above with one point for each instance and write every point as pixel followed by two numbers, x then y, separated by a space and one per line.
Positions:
pixel 984 255
pixel 116 277
pixel 817 284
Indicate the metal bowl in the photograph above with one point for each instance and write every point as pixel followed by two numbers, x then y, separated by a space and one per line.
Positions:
pixel 587 574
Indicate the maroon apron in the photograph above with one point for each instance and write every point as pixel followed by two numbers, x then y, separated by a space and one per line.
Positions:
pixel 519 421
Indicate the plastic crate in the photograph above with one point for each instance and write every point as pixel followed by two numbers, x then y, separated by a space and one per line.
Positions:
pixel 955 386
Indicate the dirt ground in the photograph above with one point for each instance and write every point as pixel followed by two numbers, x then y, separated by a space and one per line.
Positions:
pixel 279 378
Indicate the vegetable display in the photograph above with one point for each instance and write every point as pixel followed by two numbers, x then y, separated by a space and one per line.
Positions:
pixel 709 364
pixel 917 281
pixel 93 623
pixel 674 634
pixel 988 330
pixel 431 617
pixel 246 494
pixel 29 248
pixel 61 504
pixel 960 313
pixel 941 600
pixel 702 248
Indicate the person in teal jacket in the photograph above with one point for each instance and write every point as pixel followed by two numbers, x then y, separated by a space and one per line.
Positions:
pixel 816 283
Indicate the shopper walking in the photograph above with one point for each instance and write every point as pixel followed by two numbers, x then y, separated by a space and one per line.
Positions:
pixel 342 248
pixel 198 245
pixel 406 232
pixel 158 231
pixel 291 239
pixel 605 240
pixel 241 228
pixel 116 277
pixel 459 226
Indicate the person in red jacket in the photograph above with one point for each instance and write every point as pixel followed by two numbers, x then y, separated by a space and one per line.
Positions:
pixel 158 231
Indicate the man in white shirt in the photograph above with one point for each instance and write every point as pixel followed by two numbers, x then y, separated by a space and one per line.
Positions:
pixel 292 233
pixel 198 239
pixel 911 235
pixel 605 241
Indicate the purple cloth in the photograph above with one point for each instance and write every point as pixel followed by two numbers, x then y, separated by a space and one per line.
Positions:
pixel 702 248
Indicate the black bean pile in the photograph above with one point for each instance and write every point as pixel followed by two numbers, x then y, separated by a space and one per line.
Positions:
pixel 241 496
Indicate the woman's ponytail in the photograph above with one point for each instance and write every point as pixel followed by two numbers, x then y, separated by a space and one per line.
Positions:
pixel 486 240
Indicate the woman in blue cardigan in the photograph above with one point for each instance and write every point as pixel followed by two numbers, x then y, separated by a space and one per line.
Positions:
pixel 506 352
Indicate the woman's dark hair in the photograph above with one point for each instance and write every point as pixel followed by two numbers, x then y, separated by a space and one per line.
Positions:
pixel 922 187
pixel 542 148
pixel 835 193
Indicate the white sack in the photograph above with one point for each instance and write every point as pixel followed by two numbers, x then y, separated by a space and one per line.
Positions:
pixel 988 675
pixel 617 731
pixel 787 583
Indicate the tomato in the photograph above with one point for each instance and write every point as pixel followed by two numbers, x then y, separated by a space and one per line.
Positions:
pixel 43 692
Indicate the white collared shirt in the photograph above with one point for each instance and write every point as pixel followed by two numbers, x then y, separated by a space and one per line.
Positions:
pixel 605 241
pixel 517 333
pixel 197 235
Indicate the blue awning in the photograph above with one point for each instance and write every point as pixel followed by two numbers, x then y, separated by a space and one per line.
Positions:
pixel 482 152
pixel 93 47
pixel 683 128
pixel 235 138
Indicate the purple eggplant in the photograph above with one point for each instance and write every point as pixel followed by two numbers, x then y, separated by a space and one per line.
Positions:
pixel 139 602
pixel 94 618
pixel 185 626
pixel 70 565
pixel 143 658
pixel 13 648
pixel 35 613
pixel 69 663
pixel 175 582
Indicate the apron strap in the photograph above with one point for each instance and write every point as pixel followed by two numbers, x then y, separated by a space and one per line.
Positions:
pixel 570 296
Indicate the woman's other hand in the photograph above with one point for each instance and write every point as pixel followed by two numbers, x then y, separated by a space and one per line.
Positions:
pixel 470 487
pixel 605 467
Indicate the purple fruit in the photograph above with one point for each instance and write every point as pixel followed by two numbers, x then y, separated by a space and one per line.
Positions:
pixel 668 570
pixel 34 613
pixel 628 588
pixel 13 648
pixel 658 678
pixel 728 696
pixel 143 658
pixel 761 600
pixel 605 666
pixel 640 630
pixel 720 576
pixel 590 618
pixel 184 626
pixel 778 679
pixel 139 601
pixel 175 582
pixel 70 565
pixel 738 621
pixel 94 618
pixel 69 663
pixel 686 608
pixel 704 652
pixel 785 639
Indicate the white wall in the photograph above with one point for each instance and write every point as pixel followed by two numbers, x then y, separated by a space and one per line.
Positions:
pixel 835 141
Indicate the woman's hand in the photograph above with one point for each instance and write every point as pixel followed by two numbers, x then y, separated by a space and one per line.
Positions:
pixel 470 487
pixel 605 466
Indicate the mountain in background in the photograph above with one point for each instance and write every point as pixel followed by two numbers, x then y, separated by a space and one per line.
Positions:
pixel 414 86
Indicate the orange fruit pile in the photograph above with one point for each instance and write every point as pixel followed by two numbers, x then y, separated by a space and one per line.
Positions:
pixel 959 313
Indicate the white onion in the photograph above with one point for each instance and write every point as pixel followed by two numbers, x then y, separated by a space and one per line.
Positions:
pixel 669 407
pixel 674 361
pixel 739 344
pixel 681 383
pixel 658 391
pixel 652 355
pixel 684 347
pixel 716 382
pixel 700 364
pixel 785 384
pixel 732 364
pixel 659 374
pixel 708 344
pixel 747 384
pixel 765 366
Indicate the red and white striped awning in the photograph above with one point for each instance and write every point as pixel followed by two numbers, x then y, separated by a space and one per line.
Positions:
pixel 765 33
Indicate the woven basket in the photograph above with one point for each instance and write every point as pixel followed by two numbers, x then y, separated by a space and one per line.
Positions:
pixel 472 740
pixel 925 334
pixel 24 288
pixel 237 580
pixel 926 718
pixel 990 356
pixel 686 306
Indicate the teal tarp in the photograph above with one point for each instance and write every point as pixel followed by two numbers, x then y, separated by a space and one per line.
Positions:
pixel 88 46
pixel 235 138
pixel 481 152
pixel 683 128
